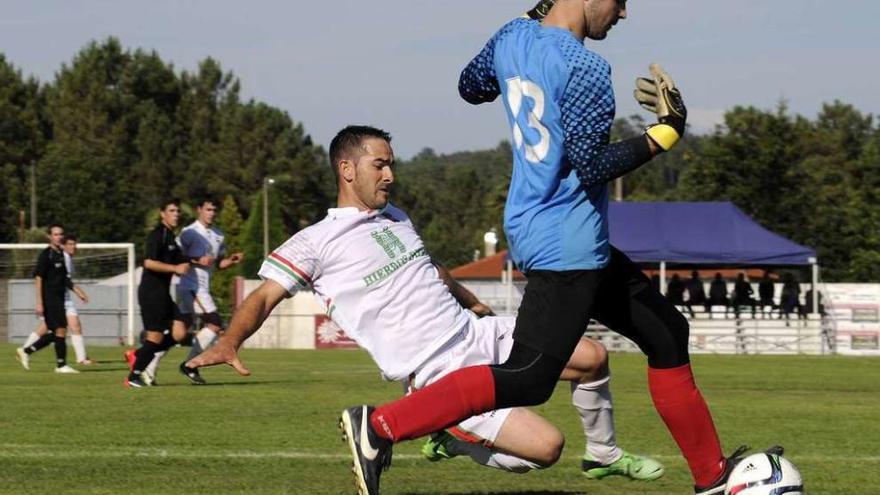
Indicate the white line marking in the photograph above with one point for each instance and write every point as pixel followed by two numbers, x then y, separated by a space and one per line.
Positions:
pixel 8 451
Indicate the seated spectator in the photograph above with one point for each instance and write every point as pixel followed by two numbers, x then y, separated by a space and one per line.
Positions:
pixel 696 293
pixel 767 293
pixel 675 291
pixel 790 302
pixel 718 294
pixel 742 295
pixel 808 304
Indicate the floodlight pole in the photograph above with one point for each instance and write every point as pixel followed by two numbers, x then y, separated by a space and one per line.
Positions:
pixel 33 195
pixel 268 181
pixel 663 277
pixel 815 265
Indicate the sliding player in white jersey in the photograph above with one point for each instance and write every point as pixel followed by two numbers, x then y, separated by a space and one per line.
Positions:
pixel 370 270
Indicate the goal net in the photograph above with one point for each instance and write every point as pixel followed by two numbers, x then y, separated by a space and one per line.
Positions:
pixel 105 271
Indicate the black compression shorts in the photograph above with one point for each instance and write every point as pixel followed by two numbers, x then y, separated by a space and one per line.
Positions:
pixel 557 306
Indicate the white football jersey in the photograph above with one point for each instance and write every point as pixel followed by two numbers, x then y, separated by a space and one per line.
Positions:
pixel 370 271
pixel 68 263
pixel 197 240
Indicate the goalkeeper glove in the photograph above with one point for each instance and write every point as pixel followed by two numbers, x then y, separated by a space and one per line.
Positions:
pixel 660 96
pixel 540 9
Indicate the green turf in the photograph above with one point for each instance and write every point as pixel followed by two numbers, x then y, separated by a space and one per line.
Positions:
pixel 275 432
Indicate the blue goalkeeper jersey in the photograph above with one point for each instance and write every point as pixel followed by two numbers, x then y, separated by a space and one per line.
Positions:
pixel 560 106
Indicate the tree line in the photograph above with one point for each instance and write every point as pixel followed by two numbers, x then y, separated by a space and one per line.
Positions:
pixel 118 129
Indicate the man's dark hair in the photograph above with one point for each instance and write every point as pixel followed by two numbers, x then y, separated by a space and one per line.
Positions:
pixel 169 201
pixel 200 202
pixel 52 226
pixel 349 143
pixel 69 237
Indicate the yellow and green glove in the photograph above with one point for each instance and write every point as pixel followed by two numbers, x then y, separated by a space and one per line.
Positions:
pixel 660 96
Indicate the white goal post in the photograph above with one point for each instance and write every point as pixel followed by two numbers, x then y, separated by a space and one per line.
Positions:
pixel 130 274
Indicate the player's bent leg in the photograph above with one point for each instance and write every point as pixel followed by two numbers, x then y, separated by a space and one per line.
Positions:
pixel 39 338
pixel 629 305
pixel 588 371
pixel 514 440
pixel 529 436
pixel 35 335
pixel 588 362
pixel 527 378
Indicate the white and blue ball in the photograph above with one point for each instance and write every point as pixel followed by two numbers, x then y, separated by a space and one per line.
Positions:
pixel 764 474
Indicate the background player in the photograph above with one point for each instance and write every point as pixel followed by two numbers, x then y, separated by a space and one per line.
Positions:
pixel 73 322
pixel 163 324
pixel 204 242
pixel 50 286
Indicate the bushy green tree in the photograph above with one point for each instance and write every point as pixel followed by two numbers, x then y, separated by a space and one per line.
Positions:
pixel 229 220
pixel 24 132
pixel 252 232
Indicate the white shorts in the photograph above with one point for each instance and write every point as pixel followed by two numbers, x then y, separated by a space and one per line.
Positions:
pixel 195 301
pixel 69 307
pixel 488 341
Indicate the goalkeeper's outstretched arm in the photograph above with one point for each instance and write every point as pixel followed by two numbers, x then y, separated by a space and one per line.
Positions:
pixel 597 163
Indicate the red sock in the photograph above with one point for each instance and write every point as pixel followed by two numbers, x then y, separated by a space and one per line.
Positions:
pixel 455 397
pixel 680 404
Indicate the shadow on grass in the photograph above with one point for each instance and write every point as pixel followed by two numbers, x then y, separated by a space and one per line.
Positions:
pixel 92 369
pixel 237 384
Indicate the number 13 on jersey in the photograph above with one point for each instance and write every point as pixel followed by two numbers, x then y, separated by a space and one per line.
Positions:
pixel 518 88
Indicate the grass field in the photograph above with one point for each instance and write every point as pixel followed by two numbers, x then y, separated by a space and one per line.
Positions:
pixel 275 432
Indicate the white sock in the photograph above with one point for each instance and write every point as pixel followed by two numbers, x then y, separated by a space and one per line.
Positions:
pixel 487 457
pixel 593 402
pixel 153 367
pixel 33 337
pixel 204 339
pixel 79 347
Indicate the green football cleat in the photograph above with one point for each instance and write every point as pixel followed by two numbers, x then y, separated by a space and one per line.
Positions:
pixel 435 447
pixel 632 466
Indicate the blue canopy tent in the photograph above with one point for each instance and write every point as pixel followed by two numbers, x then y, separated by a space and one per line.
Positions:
pixel 715 233
pixel 699 233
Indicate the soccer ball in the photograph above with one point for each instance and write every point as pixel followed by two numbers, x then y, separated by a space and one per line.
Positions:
pixel 767 473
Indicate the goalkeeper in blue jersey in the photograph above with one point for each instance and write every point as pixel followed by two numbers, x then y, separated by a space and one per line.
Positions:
pixel 560 108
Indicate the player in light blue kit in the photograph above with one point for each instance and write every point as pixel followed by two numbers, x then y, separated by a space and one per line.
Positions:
pixel 560 107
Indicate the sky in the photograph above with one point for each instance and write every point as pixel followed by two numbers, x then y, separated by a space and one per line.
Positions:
pixel 395 63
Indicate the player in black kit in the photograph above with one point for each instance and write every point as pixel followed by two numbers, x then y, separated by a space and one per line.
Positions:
pixel 51 283
pixel 163 323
